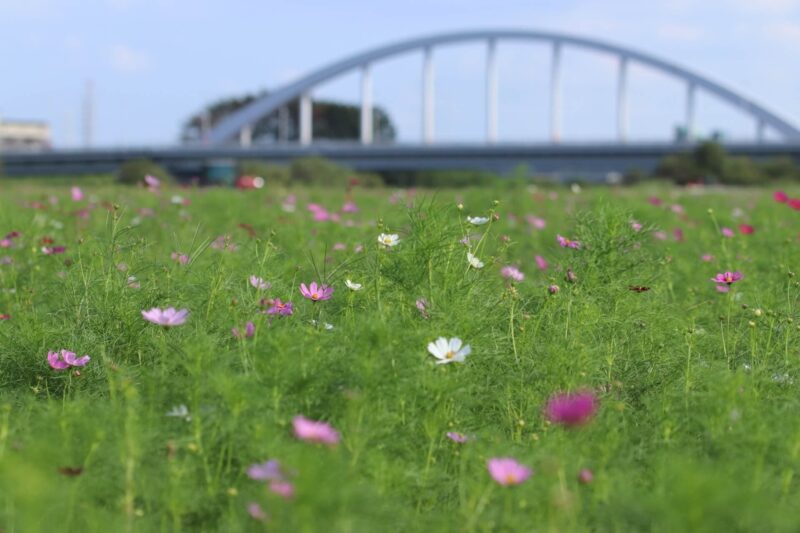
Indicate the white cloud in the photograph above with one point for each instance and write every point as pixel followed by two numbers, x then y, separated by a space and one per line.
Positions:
pixel 126 59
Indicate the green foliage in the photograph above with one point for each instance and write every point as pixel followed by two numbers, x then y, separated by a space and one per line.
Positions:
pixel 710 163
pixel 272 174
pixel 318 171
pixel 697 389
pixel 133 171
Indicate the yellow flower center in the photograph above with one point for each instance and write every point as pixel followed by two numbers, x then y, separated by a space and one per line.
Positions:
pixel 449 355
pixel 314 296
pixel 511 478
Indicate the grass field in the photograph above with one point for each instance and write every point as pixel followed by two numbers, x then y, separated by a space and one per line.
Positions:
pixel 692 422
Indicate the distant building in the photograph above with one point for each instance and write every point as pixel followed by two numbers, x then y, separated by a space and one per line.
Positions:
pixel 24 135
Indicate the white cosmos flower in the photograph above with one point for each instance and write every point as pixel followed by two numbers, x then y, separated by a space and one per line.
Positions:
pixel 352 286
pixel 474 262
pixel 448 351
pixel 477 221
pixel 388 239
pixel 180 411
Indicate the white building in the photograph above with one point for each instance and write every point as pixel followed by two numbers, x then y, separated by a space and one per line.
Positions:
pixel 24 135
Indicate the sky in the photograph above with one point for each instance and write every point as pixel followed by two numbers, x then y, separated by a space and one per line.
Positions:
pixel 154 63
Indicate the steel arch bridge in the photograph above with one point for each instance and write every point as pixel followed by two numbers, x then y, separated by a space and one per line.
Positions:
pixel 239 124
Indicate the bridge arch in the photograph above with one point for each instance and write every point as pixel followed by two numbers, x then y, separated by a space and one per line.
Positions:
pixel 238 123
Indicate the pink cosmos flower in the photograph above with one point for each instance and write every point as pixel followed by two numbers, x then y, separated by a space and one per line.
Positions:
pixel 52 250
pixel 249 331
pixel 541 262
pixel 422 307
pixel 536 222
pixel 727 277
pixel 5 316
pixel 256 512
pixel 312 431
pixel 316 293
pixel 781 197
pixel 259 283
pixel 636 226
pixel 507 471
pixel 794 203
pixel 567 243
pixel 511 272
pixel 727 232
pixel 585 476
pixel 271 470
pixel 77 194
pixel 677 233
pixel 285 489
pixel 179 257
pixel 571 409
pixel 168 317
pixel 280 308
pixel 660 235
pixel 349 207
pixel 553 289
pixel 6 243
pixel 457 437
pixel 65 359
pixel 152 182
pixel 746 229
pixel 707 258
pixel 654 201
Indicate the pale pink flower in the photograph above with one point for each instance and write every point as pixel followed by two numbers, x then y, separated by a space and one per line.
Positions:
pixel 6 243
pixel 422 306
pixel 512 272
pixel 65 359
pixel 727 232
pixel 271 470
pixel 77 194
pixel 536 222
pixel 339 246
pixel 282 488
pixel 585 476
pixel 507 471
pixel 350 207
pixel 567 243
pixel 660 235
pixel 457 437
pixel 541 262
pixel 179 257
pixel 315 292
pixel 553 289
pixel 571 409
pixel 313 431
pixel 707 258
pixel 168 317
pixel 152 182
pixel 259 283
pixel 256 512
pixel 636 226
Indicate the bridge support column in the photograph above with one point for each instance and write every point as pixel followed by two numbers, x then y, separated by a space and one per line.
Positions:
pixel 428 119
pixel 283 124
pixel 555 93
pixel 491 91
pixel 690 91
pixel 622 100
pixel 761 127
pixel 366 105
pixel 246 136
pixel 306 124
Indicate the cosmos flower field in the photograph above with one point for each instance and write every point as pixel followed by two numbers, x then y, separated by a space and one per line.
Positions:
pixel 516 359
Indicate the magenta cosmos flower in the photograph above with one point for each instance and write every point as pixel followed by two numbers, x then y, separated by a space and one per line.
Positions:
pixel 507 471
pixel 457 437
pixel 167 318
pixel 65 359
pixel 727 277
pixel 280 308
pixel 571 409
pixel 312 431
pixel 259 283
pixel 315 292
pixel 567 243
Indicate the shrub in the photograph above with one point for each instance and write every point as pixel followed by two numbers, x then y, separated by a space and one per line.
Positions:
pixel 781 168
pixel 740 171
pixel 272 174
pixel 679 168
pixel 133 171
pixel 318 171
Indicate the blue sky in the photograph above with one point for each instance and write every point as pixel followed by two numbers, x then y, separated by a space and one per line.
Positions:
pixel 155 62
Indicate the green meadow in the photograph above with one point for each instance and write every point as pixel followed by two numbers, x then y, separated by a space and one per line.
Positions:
pixel 696 426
